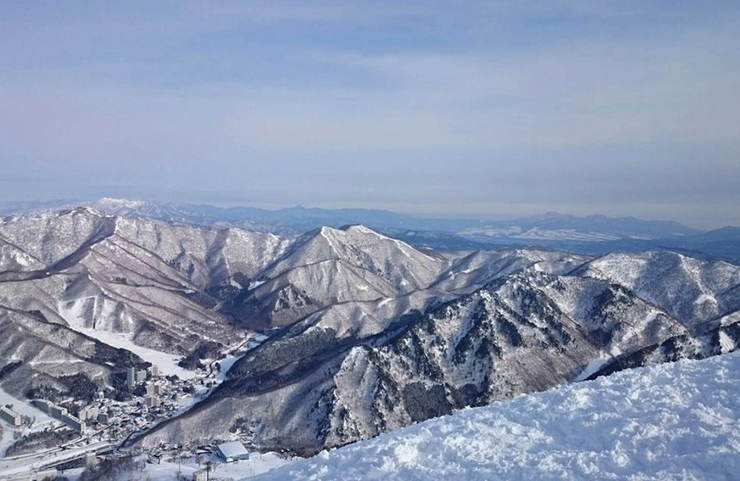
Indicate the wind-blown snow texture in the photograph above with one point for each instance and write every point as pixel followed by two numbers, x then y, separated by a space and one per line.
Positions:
pixel 667 422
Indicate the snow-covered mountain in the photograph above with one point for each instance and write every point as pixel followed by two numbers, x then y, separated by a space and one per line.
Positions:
pixel 675 421
pixel 111 282
pixel 691 290
pixel 144 284
pixel 35 352
pixel 551 229
pixel 330 266
pixel 145 280
pixel 325 383
pixel 592 235
pixel 354 370
pixel 367 333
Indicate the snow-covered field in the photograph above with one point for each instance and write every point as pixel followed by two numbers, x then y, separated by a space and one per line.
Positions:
pixel 669 422
pixel 166 363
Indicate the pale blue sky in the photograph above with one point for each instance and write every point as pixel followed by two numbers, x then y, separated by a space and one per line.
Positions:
pixel 477 108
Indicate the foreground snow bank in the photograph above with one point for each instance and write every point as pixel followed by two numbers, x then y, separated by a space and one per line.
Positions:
pixel 673 421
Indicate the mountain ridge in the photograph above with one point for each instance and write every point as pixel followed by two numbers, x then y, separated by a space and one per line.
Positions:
pixel 365 333
pixel 302 217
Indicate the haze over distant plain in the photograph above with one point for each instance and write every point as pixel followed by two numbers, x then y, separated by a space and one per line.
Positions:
pixel 483 108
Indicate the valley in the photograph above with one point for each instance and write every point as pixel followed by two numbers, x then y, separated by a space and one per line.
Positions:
pixel 299 343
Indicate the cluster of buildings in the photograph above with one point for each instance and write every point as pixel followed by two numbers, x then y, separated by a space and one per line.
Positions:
pixel 159 399
pixel 135 376
pixel 11 417
pixel 62 414
pixel 153 394
pixel 106 411
pixel 110 417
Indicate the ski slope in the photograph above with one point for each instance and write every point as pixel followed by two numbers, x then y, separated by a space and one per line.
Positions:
pixel 675 421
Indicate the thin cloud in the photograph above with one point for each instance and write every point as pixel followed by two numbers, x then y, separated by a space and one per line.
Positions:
pixel 442 108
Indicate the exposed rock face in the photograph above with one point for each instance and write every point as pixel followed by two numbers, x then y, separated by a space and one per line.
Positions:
pixel 718 339
pixel 526 332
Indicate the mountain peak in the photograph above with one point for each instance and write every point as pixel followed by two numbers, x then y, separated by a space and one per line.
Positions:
pixel 81 209
pixel 112 202
pixel 358 228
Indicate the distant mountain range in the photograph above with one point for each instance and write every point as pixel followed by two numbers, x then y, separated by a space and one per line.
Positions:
pixel 596 234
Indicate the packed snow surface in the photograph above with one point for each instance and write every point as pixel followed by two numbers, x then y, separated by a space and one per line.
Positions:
pixel 166 363
pixel 675 421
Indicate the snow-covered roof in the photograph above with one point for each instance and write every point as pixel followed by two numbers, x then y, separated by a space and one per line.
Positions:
pixel 232 450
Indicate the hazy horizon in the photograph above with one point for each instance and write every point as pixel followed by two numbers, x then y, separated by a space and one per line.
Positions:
pixel 60 203
pixel 481 109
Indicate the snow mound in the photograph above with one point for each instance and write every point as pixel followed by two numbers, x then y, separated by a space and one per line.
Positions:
pixel 666 422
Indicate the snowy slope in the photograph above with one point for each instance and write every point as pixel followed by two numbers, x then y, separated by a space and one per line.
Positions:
pixel 345 374
pixel 668 422
pixel 46 351
pixel 377 334
pixel 155 284
pixel 158 289
pixel 329 266
pixel 691 290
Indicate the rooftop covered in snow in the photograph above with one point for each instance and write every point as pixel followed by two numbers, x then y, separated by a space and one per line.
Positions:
pixel 232 451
